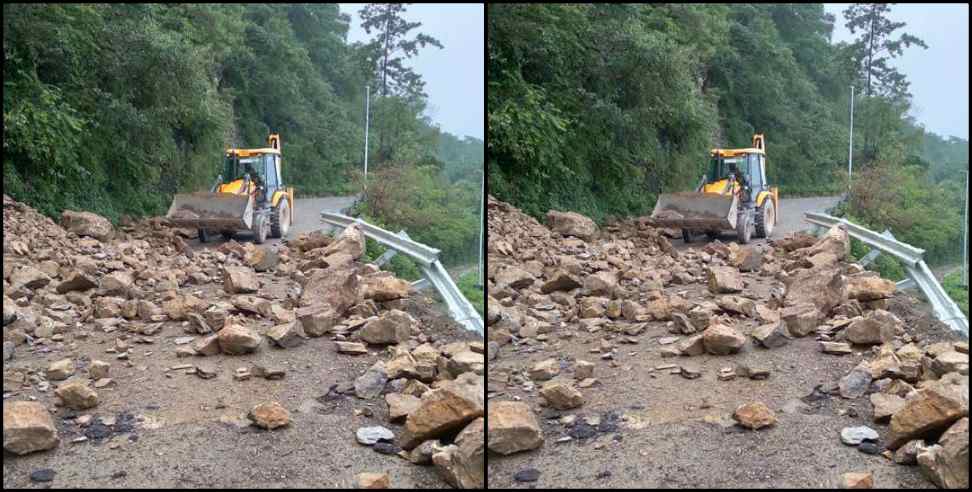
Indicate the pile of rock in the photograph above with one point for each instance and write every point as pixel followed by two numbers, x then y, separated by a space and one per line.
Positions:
pixel 64 282
pixel 574 282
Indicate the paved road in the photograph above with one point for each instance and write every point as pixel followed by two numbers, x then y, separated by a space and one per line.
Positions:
pixel 307 218
pixel 791 218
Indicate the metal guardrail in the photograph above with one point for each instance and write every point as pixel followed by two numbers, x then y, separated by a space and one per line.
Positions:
pixel 459 307
pixel 424 254
pixel 904 252
pixel 920 275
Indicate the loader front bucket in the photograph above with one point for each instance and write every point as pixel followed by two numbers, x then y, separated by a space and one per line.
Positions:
pixel 696 211
pixel 211 211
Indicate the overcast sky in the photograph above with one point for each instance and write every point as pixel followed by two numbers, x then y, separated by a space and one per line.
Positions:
pixel 455 75
pixel 939 76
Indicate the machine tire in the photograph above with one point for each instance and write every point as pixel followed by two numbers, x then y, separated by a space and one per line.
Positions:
pixel 686 236
pixel 744 229
pixel 712 235
pixel 765 219
pixel 227 235
pixel 203 235
pixel 280 219
pixel 260 228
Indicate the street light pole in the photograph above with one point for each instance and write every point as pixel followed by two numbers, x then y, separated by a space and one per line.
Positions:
pixel 482 217
pixel 367 121
pixel 850 145
pixel 965 235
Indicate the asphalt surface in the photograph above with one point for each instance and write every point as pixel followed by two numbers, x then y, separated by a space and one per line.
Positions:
pixel 791 219
pixel 307 218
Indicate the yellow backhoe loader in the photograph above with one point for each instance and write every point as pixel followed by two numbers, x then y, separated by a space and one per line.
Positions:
pixel 248 195
pixel 733 195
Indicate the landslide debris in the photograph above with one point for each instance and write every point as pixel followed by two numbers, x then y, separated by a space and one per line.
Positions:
pixel 569 282
pixel 141 291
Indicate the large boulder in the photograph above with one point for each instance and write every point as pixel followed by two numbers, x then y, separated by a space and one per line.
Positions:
pixel 571 224
pixel 77 395
pixel 721 339
pixel 392 327
pixel 825 288
pixel 77 280
pixel 947 463
pixel 463 464
pixel 87 224
pixel 318 319
pixel 236 339
pixel 747 258
pixel 351 242
pixel 515 278
pixel 869 288
pixel 513 427
pixel 724 280
pixel 937 406
pixel 878 326
pixel 449 408
pixel 28 277
pixel 560 280
pixel 240 280
pixel 836 242
pixel 338 287
pixel 561 394
pixel 384 286
pixel 601 284
pixel 27 427
pixel 801 319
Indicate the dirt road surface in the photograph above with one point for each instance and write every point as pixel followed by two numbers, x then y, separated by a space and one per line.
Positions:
pixel 176 430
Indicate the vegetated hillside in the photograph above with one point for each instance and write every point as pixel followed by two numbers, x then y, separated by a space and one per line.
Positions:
pixel 115 107
pixel 598 108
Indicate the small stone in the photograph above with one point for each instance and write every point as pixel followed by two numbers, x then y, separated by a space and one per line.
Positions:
pixel 98 369
pixel 372 480
pixel 868 447
pixel 269 415
pixel 754 416
pixel 545 370
pixel 561 395
pixel 527 475
pixel 352 348
pixel 386 448
pixel 42 475
pixel 241 374
pixel 60 370
pixel 205 371
pixel 183 340
pixel 836 348
pixel 691 372
pixel 104 382
pixel 583 370
pixel 77 395
pixel 856 480
pixel 853 436
pixel 370 435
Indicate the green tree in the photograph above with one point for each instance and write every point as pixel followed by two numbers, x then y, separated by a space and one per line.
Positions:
pixel 392 47
pixel 877 47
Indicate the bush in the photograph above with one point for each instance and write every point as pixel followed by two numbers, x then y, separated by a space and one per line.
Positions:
pixel 886 265
pixel 468 285
pixel 958 292
pixel 421 201
pixel 401 265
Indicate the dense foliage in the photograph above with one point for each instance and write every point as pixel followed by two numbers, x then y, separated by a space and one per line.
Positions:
pixel 958 292
pixel 421 201
pixel 114 107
